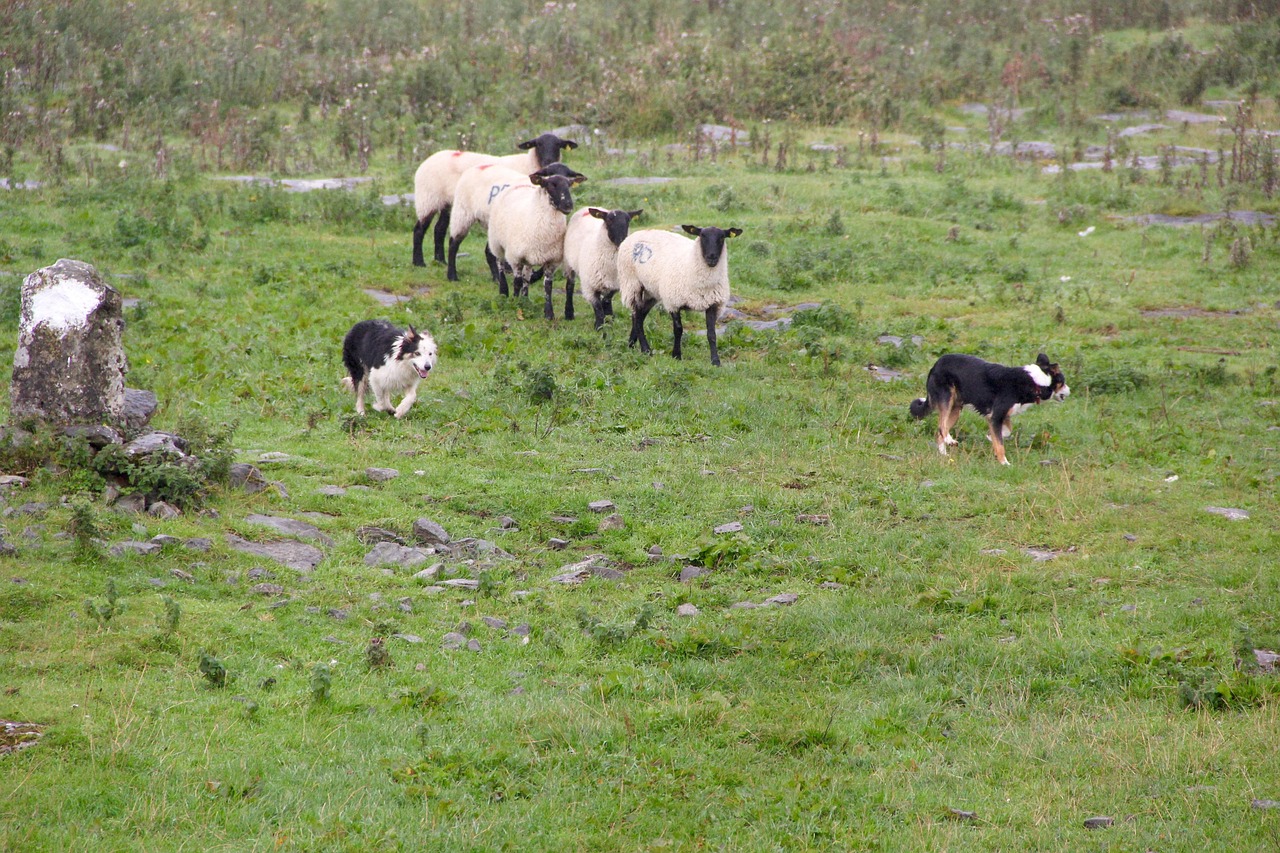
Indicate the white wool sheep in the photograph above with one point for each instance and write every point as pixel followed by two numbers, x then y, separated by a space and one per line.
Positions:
pixel 591 255
pixel 682 274
pixel 473 198
pixel 436 178
pixel 526 230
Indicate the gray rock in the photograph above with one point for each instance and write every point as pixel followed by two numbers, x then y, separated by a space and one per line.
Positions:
pixel 430 572
pixel 462 583
pixel 331 491
pixel 247 477
pixel 142 548
pixel 400 555
pixel 557 544
pixel 258 573
pixel 506 522
pixel 187 577
pixel 267 589
pixel 164 444
pixel 731 527
pixel 165 541
pixel 453 640
pixel 139 406
pixel 564 519
pixel 290 527
pixel 1265 804
pixel 370 535
pixel 783 600
pixel 160 509
pixel 612 522
pixel 687 610
pixel 688 573
pixel 1228 513
pixel 295 555
pixel 9 481
pixel 600 506
pixel 595 565
pixel 405 605
pixel 408 638
pixel 427 532
pixel 494 622
pixel 339 614
pixel 70 364
pixel 521 630
pixel 198 544
pixel 473 645
pixel 1100 822
pixel 381 475
pixel 97 436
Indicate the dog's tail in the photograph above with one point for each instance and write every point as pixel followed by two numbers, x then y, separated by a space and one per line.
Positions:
pixel 920 407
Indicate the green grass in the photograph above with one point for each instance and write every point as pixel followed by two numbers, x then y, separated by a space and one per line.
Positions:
pixel 929 664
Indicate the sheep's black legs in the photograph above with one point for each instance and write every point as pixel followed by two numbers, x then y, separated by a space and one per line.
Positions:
pixel 598 307
pixel 712 313
pixel 419 232
pixel 547 311
pixel 492 260
pixel 568 298
pixel 500 273
pixel 454 243
pixel 637 327
pixel 442 231
pixel 608 305
pixel 677 332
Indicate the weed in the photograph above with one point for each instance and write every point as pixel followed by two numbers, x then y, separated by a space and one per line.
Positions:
pixel 213 670
pixel 103 612
pixel 172 615
pixel 320 683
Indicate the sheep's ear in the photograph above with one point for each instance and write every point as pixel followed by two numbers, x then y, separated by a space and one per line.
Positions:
pixel 537 179
pixel 597 212
pixel 576 179
pixel 732 232
pixel 568 143
pixel 692 229
pixel 634 213
pixel 525 146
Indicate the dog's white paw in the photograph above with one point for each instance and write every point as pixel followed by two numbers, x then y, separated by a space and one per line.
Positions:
pixel 949 440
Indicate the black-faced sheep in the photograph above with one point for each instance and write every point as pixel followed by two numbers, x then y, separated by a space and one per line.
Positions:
pixel 473 199
pixel 682 274
pixel 436 178
pixel 526 230
pixel 591 255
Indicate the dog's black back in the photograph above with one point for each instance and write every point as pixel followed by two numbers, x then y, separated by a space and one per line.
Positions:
pixel 369 344
pixel 967 380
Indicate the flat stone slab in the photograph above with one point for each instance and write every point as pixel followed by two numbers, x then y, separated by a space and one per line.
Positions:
pixel 291 554
pixel 290 527
pixel 1228 513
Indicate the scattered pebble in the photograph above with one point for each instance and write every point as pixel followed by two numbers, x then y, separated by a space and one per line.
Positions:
pixel 381 475
pixel 1228 513
pixel 1099 822
pixel 731 527
pixel 600 506
pixel 687 610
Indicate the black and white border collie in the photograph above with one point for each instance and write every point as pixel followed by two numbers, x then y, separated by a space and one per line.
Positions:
pixel 386 360
pixel 997 392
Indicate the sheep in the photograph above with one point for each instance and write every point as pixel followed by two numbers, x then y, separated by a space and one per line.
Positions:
pixel 659 266
pixel 434 182
pixel 591 254
pixel 473 198
pixel 526 230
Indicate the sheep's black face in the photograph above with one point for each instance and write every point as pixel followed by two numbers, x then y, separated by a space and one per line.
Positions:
pixel 557 189
pixel 616 225
pixel 711 241
pixel 547 147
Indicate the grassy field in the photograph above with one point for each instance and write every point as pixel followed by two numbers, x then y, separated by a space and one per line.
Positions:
pixel 957 655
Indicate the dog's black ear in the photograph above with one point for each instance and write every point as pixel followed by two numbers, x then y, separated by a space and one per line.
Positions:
pixel 1042 361
pixel 412 334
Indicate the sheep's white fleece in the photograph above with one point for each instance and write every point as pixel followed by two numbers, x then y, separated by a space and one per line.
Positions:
pixel 437 178
pixel 589 255
pixel 668 267
pixel 525 229
pixel 473 197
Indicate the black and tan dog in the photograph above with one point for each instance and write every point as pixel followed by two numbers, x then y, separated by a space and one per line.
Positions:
pixel 995 391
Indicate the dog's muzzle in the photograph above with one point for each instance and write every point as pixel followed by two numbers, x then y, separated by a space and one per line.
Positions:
pixel 1061 395
pixel 423 371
